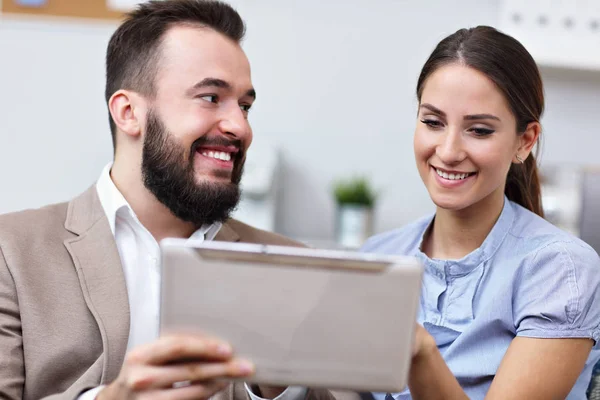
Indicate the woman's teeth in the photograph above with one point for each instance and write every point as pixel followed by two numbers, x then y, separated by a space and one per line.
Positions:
pixel 452 177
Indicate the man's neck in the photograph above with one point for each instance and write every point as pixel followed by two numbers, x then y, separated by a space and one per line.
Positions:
pixel 152 214
pixel 457 233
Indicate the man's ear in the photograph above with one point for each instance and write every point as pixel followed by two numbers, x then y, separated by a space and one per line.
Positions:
pixel 125 111
pixel 528 139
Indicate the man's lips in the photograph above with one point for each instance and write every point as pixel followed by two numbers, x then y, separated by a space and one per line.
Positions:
pixel 223 157
pixel 233 150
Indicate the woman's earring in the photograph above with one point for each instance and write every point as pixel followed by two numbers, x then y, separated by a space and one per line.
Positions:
pixel 519 159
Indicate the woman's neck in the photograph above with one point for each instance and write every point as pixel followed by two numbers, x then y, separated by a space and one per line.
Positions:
pixel 454 234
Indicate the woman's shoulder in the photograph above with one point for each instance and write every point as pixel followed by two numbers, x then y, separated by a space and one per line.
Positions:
pixel 402 241
pixel 542 237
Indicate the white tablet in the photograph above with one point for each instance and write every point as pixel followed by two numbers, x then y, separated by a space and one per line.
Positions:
pixel 316 318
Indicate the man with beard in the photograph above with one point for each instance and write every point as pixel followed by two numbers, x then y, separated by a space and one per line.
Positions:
pixel 79 281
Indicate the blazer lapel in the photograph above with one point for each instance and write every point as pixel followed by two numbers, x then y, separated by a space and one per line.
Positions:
pixel 96 258
pixel 227 234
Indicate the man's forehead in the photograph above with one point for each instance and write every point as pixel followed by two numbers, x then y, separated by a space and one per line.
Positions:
pixel 197 40
pixel 194 53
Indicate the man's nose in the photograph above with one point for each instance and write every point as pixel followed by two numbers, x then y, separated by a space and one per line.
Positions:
pixel 233 122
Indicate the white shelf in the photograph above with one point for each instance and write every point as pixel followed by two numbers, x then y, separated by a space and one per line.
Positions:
pixel 557 33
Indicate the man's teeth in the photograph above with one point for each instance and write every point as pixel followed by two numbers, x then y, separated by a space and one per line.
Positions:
pixel 452 177
pixel 219 155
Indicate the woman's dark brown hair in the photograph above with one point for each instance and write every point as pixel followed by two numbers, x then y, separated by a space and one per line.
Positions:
pixel 510 66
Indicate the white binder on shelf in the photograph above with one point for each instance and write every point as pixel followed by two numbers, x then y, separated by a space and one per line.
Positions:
pixel 558 33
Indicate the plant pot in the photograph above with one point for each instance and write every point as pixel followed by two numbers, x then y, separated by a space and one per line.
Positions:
pixel 354 225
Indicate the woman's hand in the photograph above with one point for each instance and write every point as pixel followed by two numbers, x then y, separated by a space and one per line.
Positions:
pixel 423 342
pixel 429 377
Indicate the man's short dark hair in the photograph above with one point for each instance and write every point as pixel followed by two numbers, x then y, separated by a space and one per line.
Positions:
pixel 133 52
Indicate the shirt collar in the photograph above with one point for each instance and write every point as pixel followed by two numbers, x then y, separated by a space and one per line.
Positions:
pixel 110 197
pixel 113 202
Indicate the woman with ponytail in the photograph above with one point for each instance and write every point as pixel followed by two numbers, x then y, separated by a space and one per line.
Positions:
pixel 510 304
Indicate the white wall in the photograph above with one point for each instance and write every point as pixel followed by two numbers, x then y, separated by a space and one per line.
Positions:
pixel 54 136
pixel 335 82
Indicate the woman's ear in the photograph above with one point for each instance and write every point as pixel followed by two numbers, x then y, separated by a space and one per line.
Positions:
pixel 122 107
pixel 528 139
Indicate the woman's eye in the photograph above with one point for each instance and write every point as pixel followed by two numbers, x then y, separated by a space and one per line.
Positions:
pixel 482 131
pixel 245 107
pixel 432 123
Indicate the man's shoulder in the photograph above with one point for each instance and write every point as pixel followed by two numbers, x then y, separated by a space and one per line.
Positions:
pixel 32 222
pixel 250 234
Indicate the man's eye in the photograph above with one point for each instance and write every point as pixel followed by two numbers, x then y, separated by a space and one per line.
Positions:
pixel 210 98
pixel 245 107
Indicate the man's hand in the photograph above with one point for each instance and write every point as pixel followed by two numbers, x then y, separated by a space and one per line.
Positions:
pixel 176 367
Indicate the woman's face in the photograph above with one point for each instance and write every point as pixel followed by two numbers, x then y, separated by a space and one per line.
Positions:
pixel 466 138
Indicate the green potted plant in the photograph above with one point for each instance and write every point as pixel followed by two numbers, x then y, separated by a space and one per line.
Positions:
pixel 355 201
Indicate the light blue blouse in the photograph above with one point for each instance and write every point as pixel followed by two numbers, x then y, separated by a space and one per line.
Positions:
pixel 527 279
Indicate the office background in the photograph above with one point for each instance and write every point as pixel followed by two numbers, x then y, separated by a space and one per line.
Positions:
pixel 335 82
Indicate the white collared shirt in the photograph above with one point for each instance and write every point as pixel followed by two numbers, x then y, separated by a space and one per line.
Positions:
pixel 140 254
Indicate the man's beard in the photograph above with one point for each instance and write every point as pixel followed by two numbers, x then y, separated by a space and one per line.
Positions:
pixel 170 176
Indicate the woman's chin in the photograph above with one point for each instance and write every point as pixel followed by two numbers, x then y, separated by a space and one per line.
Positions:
pixel 450 203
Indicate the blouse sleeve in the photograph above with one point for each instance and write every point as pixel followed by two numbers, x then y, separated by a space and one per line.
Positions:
pixel 557 294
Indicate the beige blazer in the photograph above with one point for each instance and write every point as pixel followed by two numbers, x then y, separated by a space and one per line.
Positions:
pixel 64 312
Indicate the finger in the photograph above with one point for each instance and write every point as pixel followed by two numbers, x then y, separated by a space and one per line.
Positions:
pixel 153 377
pixel 178 348
pixel 191 392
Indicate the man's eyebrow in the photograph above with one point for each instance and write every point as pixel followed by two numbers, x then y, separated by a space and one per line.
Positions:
pixel 218 83
pixel 212 82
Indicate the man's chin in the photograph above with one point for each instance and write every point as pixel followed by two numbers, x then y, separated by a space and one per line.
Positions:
pixel 214 182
